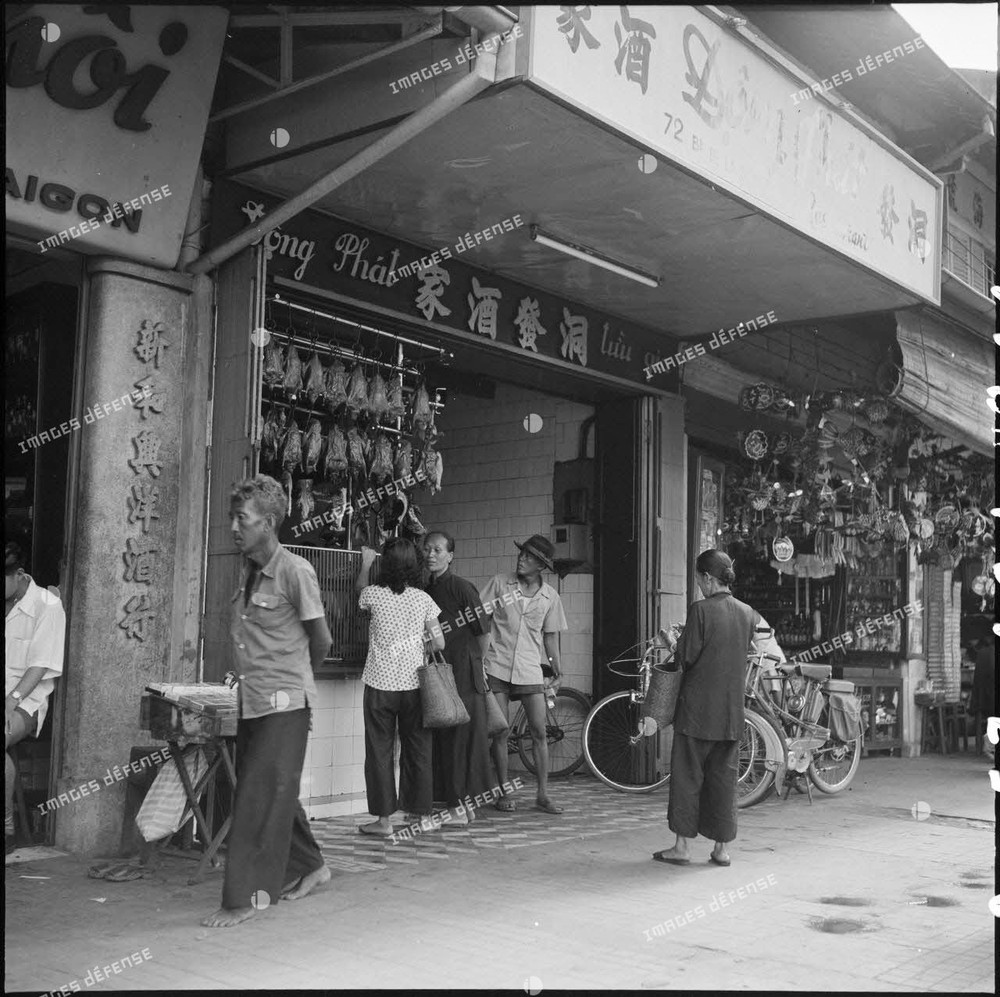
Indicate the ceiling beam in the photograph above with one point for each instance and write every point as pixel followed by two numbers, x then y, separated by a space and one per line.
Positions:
pixel 346 18
pixel 431 31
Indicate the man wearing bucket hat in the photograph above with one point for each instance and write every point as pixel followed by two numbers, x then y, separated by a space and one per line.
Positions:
pixel 527 616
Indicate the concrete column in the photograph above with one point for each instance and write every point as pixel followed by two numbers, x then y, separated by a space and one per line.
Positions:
pixel 138 528
pixel 673 512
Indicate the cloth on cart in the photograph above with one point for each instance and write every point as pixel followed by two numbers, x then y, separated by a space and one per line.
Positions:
pixel 166 807
pixel 845 716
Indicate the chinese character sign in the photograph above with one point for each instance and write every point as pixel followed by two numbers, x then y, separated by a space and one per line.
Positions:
pixel 675 79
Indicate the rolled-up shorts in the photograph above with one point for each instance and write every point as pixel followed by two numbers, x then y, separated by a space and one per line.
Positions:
pixel 514 691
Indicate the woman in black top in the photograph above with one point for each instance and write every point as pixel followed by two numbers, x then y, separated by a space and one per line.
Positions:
pixel 708 722
pixel 461 754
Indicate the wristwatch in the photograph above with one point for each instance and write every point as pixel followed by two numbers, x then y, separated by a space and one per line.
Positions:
pixel 16 695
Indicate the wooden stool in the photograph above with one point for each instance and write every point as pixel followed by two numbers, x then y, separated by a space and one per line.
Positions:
pixel 933 729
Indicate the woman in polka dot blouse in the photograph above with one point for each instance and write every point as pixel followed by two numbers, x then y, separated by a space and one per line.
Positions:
pixel 403 619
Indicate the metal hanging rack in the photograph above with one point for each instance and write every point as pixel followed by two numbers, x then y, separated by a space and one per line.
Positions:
pixel 278 299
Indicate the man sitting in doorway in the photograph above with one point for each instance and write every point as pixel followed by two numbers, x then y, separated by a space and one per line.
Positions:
pixel 34 643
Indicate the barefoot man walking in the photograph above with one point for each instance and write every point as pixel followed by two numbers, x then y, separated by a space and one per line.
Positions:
pixel 279 635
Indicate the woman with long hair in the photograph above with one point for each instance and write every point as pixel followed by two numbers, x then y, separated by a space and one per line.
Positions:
pixel 403 618
pixel 708 721
pixel 461 754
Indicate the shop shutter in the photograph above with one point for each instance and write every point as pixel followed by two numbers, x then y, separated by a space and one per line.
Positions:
pixel 946 373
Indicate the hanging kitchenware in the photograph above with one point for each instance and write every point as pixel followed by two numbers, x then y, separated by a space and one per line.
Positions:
pixel 782 548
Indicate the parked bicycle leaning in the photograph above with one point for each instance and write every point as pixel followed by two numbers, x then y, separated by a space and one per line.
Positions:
pixel 708 721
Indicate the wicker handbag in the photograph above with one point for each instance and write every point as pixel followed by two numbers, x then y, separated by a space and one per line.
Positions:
pixel 661 698
pixel 439 699
pixel 496 718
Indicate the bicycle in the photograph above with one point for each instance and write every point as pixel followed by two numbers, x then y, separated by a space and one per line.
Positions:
pixel 788 736
pixel 618 742
pixel 563 733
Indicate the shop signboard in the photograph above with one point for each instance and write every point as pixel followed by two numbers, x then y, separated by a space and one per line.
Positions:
pixel 316 250
pixel 106 112
pixel 676 81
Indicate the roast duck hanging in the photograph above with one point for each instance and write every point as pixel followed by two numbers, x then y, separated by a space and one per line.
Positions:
pixel 291 452
pixel 314 382
pixel 272 436
pixel 378 401
pixel 306 502
pixel 403 463
pixel 335 460
pixel 421 410
pixel 355 455
pixel 381 468
pixel 357 391
pixel 312 446
pixel 397 407
pixel 274 364
pixel 433 468
pixel 335 386
pixel 292 382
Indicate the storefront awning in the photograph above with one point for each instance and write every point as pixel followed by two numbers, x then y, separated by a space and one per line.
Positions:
pixel 946 373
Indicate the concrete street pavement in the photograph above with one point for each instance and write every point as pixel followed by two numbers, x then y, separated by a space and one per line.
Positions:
pixel 866 891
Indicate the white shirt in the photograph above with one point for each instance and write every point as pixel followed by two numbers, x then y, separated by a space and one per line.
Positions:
pixel 767 645
pixel 396 636
pixel 35 636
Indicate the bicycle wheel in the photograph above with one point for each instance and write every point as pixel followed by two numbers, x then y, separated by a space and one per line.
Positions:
pixel 835 764
pixel 563 734
pixel 757 765
pixel 617 753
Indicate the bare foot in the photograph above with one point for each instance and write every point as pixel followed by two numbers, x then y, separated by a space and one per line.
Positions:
pixel 673 855
pixel 226 917
pixel 720 856
pixel 308 883
pixel 288 887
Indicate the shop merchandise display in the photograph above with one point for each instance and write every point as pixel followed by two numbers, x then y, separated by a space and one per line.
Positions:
pixel 340 423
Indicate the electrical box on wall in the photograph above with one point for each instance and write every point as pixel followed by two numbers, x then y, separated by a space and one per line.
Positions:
pixel 573 542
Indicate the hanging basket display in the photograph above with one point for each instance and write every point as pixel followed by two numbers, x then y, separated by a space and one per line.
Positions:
pixel 946 518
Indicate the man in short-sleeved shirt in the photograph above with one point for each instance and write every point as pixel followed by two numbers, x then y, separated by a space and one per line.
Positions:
pixel 279 635
pixel 34 641
pixel 527 615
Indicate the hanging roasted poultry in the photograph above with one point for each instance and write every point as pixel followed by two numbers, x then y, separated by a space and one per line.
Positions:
pixel 336 386
pixel 274 364
pixel 291 452
pixel 420 410
pixel 312 446
pixel 378 401
pixel 433 467
pixel 356 463
pixel 381 460
pixel 335 459
pixel 306 502
pixel 357 391
pixel 271 437
pixel 397 407
pixel 314 381
pixel 292 381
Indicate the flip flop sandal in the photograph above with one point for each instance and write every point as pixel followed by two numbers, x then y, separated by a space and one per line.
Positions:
pixel 124 875
pixel 712 858
pixel 364 829
pixel 505 805
pixel 291 886
pixel 548 807
pixel 662 857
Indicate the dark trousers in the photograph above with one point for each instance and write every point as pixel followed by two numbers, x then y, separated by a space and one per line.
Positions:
pixel 270 844
pixel 384 712
pixel 703 778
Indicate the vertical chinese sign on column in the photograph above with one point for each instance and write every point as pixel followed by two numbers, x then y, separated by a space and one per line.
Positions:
pixel 142 549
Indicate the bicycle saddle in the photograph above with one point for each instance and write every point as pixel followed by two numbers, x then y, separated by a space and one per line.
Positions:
pixel 818 673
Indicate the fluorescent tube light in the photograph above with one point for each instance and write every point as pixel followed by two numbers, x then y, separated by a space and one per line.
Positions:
pixel 588 255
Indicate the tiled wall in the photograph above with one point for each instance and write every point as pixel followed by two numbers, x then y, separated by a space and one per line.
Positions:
pixel 497 488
